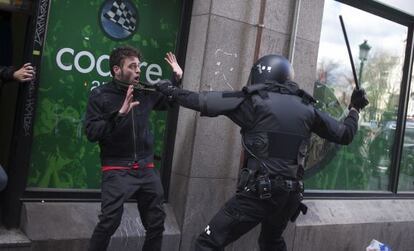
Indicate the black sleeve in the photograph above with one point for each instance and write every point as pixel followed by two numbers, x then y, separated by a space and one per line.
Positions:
pixel 243 115
pixel 99 124
pixel 336 131
pixel 6 74
pixel 237 108
pixel 183 97
pixel 162 102
pixel 187 98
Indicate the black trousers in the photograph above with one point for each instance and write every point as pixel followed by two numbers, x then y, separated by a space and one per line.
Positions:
pixel 243 212
pixel 117 187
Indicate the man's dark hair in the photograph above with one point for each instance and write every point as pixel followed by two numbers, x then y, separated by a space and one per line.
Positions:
pixel 119 54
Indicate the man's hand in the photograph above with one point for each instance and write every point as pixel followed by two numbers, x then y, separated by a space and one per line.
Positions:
pixel 172 61
pixel 128 102
pixel 26 73
pixel 358 99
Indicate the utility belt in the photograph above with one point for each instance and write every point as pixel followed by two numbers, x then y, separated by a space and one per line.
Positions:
pixel 264 185
pixel 289 185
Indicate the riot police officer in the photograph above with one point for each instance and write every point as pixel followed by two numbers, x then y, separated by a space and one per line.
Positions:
pixel 276 119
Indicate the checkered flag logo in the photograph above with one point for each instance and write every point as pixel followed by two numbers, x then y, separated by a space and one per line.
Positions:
pixel 122 16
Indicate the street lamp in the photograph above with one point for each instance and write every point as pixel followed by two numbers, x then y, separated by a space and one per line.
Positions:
pixel 363 55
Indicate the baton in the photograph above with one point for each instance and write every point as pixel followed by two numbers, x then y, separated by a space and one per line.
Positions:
pixel 349 52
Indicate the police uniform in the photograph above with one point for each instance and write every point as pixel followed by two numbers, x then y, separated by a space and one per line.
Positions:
pixel 276 120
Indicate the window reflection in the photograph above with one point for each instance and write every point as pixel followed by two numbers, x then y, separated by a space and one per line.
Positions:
pixel 406 179
pixel 365 163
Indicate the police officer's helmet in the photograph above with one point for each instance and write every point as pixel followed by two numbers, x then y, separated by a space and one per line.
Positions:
pixel 271 68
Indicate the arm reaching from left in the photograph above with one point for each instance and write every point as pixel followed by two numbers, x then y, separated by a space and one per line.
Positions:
pixel 25 73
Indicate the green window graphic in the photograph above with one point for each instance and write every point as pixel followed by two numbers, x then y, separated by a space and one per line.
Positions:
pixel 80 36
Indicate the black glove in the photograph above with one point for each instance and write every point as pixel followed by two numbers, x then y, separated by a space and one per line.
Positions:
pixel 358 99
pixel 165 87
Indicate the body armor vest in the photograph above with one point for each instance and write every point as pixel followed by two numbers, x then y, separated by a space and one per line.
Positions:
pixel 279 139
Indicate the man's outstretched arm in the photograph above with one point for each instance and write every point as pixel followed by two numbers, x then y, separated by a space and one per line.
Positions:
pixel 209 103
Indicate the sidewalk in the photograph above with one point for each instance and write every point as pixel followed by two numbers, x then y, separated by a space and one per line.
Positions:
pixel 13 240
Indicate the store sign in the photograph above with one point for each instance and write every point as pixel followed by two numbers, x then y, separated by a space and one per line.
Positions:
pixel 119 19
pixel 152 72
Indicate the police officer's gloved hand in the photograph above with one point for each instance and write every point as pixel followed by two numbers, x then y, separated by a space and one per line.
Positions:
pixel 165 87
pixel 358 99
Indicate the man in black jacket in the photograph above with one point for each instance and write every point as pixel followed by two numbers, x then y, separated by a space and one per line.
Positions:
pixel 276 120
pixel 117 117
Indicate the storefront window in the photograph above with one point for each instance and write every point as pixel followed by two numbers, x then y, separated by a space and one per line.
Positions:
pixel 75 59
pixel 365 163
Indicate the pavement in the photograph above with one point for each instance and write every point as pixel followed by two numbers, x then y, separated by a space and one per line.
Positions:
pixel 13 239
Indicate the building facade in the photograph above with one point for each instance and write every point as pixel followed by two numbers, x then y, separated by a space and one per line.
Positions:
pixel 356 193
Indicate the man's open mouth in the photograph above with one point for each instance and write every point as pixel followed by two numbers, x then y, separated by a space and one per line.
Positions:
pixel 136 80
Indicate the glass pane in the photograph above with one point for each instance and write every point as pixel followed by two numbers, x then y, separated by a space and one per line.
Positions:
pixel 365 163
pixel 406 180
pixel 73 63
pixel 406 6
